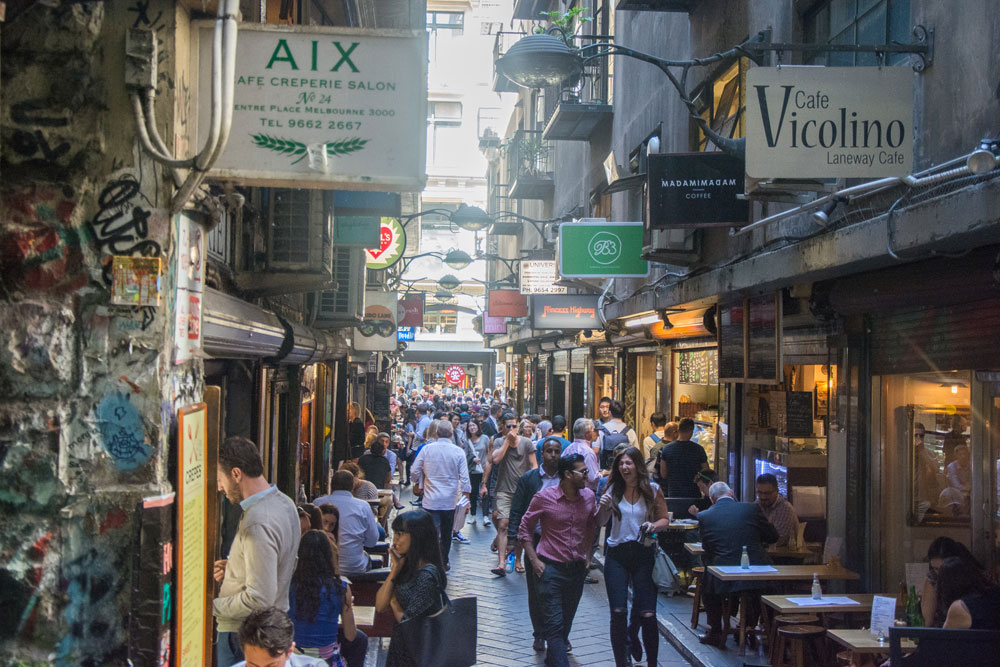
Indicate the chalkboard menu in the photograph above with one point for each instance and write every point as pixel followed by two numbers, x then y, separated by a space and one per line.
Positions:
pixel 799 413
pixel 732 332
pixel 698 367
pixel 764 338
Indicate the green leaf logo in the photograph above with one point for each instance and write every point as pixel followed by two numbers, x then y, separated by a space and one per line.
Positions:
pixel 293 147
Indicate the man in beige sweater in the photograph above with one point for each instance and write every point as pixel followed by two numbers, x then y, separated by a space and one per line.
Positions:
pixel 262 558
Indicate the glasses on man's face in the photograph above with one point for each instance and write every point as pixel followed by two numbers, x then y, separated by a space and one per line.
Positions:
pixel 510 425
pixel 580 472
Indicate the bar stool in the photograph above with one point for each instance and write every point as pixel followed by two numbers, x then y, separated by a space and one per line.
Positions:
pixel 699 577
pixel 780 620
pixel 797 636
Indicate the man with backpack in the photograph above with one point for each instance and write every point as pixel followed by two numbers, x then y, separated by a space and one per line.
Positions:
pixel 612 433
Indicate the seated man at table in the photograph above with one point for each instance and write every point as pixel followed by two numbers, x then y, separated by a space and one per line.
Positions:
pixel 777 509
pixel 357 527
pixel 726 527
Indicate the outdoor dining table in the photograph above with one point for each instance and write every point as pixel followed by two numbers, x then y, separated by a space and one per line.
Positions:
pixel 786 604
pixel 695 549
pixel 863 642
pixel 772 573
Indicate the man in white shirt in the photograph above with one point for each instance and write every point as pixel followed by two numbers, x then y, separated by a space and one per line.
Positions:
pixel 440 473
pixel 584 434
pixel 357 526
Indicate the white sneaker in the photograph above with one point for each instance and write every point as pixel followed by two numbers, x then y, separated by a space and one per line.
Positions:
pixel 486 522
pixel 471 520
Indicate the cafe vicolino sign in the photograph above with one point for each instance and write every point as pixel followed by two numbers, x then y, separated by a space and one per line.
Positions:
pixel 321 107
pixel 829 122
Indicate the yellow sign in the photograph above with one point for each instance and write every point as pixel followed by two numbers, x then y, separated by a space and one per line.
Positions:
pixel 192 536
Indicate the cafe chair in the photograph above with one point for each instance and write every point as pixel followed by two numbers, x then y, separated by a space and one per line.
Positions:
pixel 795 637
pixel 699 578
pixel 940 646
pixel 780 620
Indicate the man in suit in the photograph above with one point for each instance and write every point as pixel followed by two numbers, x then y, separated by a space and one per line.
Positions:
pixel 528 485
pixel 491 424
pixel 726 527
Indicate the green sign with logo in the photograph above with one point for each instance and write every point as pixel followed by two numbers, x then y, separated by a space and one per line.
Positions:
pixel 601 250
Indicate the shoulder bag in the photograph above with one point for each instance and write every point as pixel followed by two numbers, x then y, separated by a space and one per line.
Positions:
pixel 444 639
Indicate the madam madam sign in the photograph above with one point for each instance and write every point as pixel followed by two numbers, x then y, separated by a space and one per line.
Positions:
pixel 828 122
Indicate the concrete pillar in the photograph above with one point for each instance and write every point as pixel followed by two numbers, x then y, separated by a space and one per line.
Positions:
pixel 89 391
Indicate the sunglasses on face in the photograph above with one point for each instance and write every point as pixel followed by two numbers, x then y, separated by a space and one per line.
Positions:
pixel 579 472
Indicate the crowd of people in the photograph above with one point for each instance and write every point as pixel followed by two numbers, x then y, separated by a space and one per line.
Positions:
pixel 546 486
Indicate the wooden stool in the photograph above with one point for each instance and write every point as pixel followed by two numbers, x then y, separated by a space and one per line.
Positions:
pixel 797 635
pixel 699 577
pixel 843 658
pixel 780 620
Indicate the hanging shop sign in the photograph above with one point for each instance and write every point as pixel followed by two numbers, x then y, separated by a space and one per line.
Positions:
pixel 454 375
pixel 405 334
pixel 320 107
pixel 494 325
pixel 377 331
pixel 565 312
pixel 356 231
pixel 829 122
pixel 189 293
pixel 695 190
pixel 410 311
pixel 539 277
pixel 392 245
pixel 601 250
pixel 506 303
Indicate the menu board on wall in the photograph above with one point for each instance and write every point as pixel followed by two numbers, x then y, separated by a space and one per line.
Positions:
pixel 192 613
pixel 698 367
pixel 764 338
pixel 732 343
pixel 799 413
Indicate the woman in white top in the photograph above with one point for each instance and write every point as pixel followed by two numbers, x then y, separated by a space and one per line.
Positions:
pixel 637 510
pixel 479 442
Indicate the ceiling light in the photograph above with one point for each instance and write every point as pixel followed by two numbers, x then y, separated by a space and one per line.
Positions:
pixel 539 61
pixel 449 282
pixel 444 296
pixel 642 321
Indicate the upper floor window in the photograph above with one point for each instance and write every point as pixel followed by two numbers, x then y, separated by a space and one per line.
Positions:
pixel 857 22
pixel 443 28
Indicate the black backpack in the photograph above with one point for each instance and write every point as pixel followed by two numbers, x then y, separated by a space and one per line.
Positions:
pixel 612 439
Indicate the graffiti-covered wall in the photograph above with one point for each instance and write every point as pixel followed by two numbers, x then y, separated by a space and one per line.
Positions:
pixel 88 389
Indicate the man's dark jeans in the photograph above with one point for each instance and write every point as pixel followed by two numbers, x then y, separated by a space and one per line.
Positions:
pixel 534 605
pixel 559 590
pixel 443 520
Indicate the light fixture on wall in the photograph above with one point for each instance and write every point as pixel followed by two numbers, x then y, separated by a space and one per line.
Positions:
pixel 643 320
pixel 953 386
pixel 821 216
pixel 665 318
pixel 449 282
pixel 983 160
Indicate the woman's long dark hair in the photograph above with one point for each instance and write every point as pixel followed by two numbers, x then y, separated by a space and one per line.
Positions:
pixel 479 430
pixel 616 483
pixel 945 547
pixel 424 545
pixel 956 578
pixel 315 516
pixel 315 571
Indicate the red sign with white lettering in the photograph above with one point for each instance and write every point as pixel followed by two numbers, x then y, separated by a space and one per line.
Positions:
pixel 454 375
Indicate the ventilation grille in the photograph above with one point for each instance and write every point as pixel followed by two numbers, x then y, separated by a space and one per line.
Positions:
pixel 290 227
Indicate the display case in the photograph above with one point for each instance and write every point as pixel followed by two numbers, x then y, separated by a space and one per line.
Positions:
pixel 939 463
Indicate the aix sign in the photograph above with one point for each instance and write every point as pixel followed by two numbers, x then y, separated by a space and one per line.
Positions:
pixel 829 122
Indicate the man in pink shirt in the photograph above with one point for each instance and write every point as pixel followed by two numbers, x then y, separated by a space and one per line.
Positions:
pixel 567 514
pixel 584 435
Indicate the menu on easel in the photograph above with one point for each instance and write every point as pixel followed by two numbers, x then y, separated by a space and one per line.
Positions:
pixel 732 342
pixel 883 615
pixel 764 338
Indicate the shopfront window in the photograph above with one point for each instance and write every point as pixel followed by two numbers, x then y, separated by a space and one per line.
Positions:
pixel 929 417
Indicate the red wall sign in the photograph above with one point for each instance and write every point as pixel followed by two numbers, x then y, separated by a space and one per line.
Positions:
pixel 507 303
pixel 454 375
pixel 410 311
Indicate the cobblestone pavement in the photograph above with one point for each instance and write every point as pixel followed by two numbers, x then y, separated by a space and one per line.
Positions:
pixel 504 628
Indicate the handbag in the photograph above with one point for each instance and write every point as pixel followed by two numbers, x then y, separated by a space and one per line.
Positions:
pixel 665 574
pixel 444 639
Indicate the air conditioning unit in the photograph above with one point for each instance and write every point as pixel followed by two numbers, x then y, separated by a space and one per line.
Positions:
pixel 673 246
pixel 297 253
pixel 788 191
pixel 345 305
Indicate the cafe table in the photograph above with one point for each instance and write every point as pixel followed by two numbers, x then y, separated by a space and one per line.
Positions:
pixel 785 604
pixel 772 573
pixel 801 553
pixel 863 642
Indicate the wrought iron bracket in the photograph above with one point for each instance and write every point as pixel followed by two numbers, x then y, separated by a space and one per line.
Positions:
pixel 922 48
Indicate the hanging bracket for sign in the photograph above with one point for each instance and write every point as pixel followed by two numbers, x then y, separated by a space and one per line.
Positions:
pixel 923 48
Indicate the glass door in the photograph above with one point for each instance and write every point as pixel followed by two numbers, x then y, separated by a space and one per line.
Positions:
pixel 987 529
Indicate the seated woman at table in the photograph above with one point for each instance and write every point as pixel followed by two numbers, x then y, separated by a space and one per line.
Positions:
pixel 966 598
pixel 703 479
pixel 941 549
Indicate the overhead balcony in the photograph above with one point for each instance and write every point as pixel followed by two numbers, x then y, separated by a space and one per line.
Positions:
pixel 529 166
pixel 583 107
pixel 502 42
pixel 528 10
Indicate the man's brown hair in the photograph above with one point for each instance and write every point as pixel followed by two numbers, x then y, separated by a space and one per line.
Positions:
pixel 237 452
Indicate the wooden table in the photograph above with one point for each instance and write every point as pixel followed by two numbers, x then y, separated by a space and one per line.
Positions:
pixel 695 549
pixel 863 642
pixel 781 573
pixel 782 604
